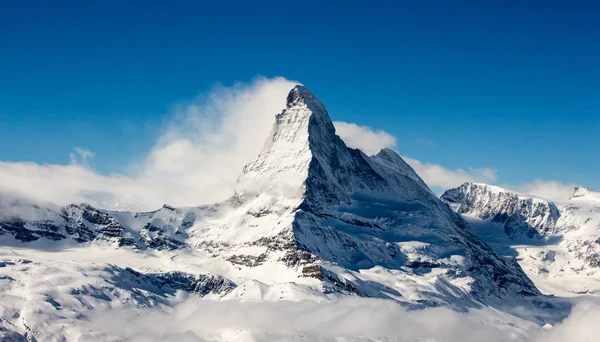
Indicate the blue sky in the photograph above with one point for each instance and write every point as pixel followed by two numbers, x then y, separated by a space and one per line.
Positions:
pixel 494 84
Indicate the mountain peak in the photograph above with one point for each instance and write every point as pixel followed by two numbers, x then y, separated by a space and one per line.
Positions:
pixel 299 95
pixel 580 191
pixel 585 194
pixel 302 105
pixel 300 131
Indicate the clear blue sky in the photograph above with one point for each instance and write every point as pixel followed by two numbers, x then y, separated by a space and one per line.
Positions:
pixel 499 84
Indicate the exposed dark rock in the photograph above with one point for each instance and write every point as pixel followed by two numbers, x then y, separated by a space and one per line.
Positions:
pixel 200 285
pixel 247 260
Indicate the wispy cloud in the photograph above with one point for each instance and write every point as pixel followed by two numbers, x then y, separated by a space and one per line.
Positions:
pixel 441 178
pixel 555 191
pixel 81 156
pixel 436 175
pixel 364 138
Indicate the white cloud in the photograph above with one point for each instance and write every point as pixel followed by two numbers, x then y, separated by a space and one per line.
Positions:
pixel 198 157
pixel 436 175
pixel 347 319
pixel 550 190
pixel 363 137
pixel 215 135
pixel 352 319
pixel 581 325
pixel 76 183
pixel 439 177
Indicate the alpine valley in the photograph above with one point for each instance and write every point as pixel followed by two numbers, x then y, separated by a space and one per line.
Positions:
pixel 311 221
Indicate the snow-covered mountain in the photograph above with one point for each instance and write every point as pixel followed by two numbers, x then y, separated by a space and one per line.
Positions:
pixel 520 215
pixel 563 237
pixel 311 219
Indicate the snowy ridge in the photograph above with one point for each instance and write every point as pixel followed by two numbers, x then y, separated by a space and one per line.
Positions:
pixel 521 215
pixel 564 238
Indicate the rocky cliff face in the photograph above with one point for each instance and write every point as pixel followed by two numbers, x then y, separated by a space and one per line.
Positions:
pixel 576 224
pixel 83 223
pixel 520 215
pixel 355 224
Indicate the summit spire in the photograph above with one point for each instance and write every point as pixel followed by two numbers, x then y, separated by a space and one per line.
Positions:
pixel 301 128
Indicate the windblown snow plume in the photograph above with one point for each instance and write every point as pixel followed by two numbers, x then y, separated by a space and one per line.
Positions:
pixel 196 160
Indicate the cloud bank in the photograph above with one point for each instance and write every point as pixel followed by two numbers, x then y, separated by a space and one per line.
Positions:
pixel 348 319
pixel 354 319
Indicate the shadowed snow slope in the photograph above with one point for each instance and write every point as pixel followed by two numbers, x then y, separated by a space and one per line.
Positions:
pixel 311 219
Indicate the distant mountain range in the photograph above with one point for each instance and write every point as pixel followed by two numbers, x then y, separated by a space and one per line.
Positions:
pixel 556 241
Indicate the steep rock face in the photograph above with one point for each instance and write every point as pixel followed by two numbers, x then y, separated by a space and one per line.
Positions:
pixel 305 161
pixel 201 285
pixel 521 215
pixel 358 224
pixel 82 223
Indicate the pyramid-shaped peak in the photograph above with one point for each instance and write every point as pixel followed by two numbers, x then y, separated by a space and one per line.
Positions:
pixel 300 95
pixel 302 132
pixel 300 99
pixel 304 113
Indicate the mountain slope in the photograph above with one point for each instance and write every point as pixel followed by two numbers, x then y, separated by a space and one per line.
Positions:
pixel 555 241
